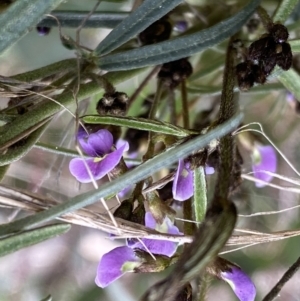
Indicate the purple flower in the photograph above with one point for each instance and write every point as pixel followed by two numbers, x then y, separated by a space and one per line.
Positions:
pixel 240 283
pixel 264 159
pixel 124 259
pixel 114 264
pixel 98 145
pixel 183 184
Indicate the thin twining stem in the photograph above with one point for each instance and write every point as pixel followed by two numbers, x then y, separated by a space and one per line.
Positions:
pixel 285 278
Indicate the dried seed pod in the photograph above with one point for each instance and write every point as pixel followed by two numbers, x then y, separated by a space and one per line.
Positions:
pixel 279 32
pixel 284 58
pixel 113 104
pixel 261 48
pixel 157 32
pixel 173 73
pixel 267 65
pixel 259 74
pixel 245 77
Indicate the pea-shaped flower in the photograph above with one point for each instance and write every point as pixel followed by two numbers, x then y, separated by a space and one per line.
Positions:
pixel 104 155
pixel 126 259
pixel 183 184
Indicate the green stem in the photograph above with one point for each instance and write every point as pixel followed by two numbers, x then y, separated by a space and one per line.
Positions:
pixel 185 106
pixel 74 18
pixel 189 228
pixel 264 17
pixel 227 110
pixel 151 144
pixel 285 278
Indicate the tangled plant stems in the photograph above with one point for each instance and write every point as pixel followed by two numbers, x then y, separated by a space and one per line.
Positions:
pixel 176 139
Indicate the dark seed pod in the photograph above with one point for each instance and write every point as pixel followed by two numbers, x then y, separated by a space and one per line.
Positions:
pixel 259 74
pixel 124 210
pixel 284 59
pixel 261 48
pixel 113 104
pixel 173 73
pixel 279 32
pixel 245 77
pixel 43 30
pixel 268 65
pixel 157 32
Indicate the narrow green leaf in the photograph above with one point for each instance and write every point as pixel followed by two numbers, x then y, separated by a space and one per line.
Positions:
pixel 146 14
pixel 200 194
pixel 20 17
pixel 283 10
pixel 47 109
pixel 295 45
pixel 180 47
pixel 141 172
pixel 29 238
pixel 16 153
pixel 74 18
pixel 216 90
pixel 142 124
pixel 61 66
pixel 291 80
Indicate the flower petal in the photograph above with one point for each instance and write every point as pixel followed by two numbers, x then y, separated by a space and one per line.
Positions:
pixel 162 247
pixel 101 142
pixel 183 184
pixel 79 171
pixel 240 283
pixel 111 263
pixel 82 137
pixel 98 168
pixel 209 170
pixel 268 162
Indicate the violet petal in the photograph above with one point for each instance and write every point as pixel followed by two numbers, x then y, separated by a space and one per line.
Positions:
pixel 111 264
pixel 268 162
pixel 101 142
pixel 162 247
pixel 79 171
pixel 183 184
pixel 240 283
pixel 82 137
pixel 98 168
